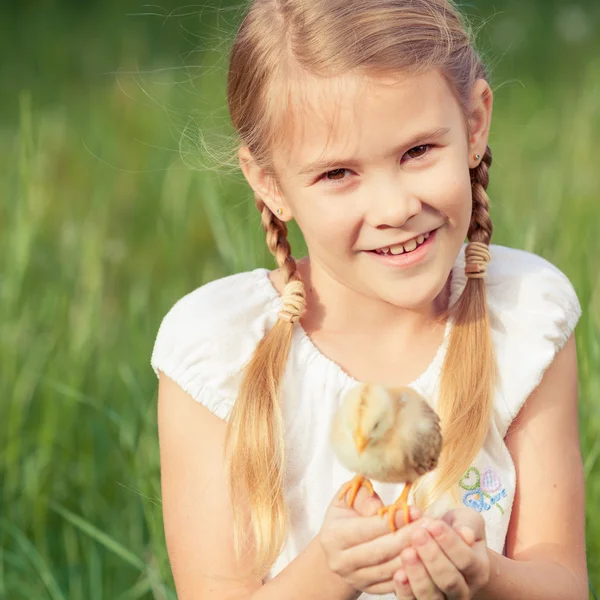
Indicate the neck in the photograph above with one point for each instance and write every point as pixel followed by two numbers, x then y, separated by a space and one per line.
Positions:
pixel 333 308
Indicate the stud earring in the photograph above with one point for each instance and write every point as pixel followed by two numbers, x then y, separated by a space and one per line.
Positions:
pixel 279 211
pixel 477 157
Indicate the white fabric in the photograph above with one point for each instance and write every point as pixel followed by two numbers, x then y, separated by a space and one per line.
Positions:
pixel 208 336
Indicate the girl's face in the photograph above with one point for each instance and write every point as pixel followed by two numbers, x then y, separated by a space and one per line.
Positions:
pixel 377 178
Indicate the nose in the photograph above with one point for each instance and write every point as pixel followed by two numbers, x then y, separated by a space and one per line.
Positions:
pixel 391 203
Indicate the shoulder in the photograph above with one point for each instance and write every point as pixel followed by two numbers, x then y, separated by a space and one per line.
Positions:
pixel 207 336
pixel 526 289
pixel 522 287
pixel 533 310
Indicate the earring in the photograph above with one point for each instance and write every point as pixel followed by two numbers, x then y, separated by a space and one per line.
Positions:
pixel 477 157
pixel 279 211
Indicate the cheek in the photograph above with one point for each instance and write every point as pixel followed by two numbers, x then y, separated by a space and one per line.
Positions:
pixel 448 190
pixel 327 223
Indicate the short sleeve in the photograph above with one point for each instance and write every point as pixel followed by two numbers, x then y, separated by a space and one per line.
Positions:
pixel 533 311
pixel 207 337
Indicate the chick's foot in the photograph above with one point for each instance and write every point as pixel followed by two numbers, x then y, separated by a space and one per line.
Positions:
pixel 392 509
pixel 353 486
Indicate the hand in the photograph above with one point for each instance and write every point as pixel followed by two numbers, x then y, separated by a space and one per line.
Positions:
pixel 359 545
pixel 449 559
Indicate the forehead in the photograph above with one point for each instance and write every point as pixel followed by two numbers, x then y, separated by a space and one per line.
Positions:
pixel 361 117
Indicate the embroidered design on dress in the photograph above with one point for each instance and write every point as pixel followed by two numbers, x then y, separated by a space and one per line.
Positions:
pixel 484 489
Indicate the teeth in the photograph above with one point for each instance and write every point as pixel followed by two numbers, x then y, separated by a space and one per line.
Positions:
pixel 410 246
pixel 407 247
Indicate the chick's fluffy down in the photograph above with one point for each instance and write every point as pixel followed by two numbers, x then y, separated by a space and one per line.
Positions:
pixel 402 433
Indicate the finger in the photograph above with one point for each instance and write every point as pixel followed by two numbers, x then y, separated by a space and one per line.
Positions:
pixel 376 561
pixel 466 533
pixel 454 547
pixel 465 519
pixel 363 497
pixel 375 552
pixel 367 504
pixel 376 575
pixel 414 514
pixel 402 587
pixel 421 583
pixel 442 571
pixel 365 529
pixel 386 587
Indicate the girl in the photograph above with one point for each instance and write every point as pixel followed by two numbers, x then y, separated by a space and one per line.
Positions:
pixel 367 122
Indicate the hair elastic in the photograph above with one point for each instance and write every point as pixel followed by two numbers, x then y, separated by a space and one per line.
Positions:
pixel 477 256
pixel 292 301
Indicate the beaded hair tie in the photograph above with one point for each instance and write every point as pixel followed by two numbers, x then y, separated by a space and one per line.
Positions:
pixel 292 301
pixel 477 256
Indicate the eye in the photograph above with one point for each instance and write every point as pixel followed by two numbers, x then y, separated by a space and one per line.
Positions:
pixel 418 151
pixel 337 175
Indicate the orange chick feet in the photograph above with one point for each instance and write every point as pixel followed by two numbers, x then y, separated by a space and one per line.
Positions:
pixel 353 486
pixel 392 509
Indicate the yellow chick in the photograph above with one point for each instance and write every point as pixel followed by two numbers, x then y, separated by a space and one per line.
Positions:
pixel 389 435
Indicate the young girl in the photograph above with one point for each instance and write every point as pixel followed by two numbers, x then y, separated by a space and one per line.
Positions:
pixel 367 122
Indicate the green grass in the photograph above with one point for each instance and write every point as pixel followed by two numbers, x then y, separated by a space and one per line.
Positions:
pixel 103 227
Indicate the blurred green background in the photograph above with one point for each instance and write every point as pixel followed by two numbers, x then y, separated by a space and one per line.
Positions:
pixel 110 210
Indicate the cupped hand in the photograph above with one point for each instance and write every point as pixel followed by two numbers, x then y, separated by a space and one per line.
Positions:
pixel 448 559
pixel 359 545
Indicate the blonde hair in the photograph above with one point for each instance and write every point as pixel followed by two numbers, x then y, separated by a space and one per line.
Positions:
pixel 278 40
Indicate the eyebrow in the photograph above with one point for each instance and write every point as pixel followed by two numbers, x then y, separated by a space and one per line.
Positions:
pixel 322 165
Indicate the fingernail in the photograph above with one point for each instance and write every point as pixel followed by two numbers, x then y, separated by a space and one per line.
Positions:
pixel 401 577
pixel 409 557
pixel 467 534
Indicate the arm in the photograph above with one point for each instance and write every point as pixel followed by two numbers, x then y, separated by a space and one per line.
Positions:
pixel 546 537
pixel 545 543
pixel 307 577
pixel 198 516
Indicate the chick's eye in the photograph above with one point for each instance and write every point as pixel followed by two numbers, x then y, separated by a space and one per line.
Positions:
pixel 418 151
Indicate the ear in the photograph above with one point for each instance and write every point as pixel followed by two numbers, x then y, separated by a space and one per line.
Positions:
pixel 479 121
pixel 263 183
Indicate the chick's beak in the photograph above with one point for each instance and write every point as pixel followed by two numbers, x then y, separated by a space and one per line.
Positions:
pixel 360 441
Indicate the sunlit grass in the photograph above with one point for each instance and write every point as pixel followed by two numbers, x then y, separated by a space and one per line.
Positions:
pixel 103 227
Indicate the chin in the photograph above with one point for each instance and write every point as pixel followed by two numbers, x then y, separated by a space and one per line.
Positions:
pixel 409 301
pixel 416 294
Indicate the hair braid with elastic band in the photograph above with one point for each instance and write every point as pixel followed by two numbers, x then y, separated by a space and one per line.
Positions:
pixel 468 374
pixel 480 229
pixel 254 442
pixel 477 252
pixel 277 242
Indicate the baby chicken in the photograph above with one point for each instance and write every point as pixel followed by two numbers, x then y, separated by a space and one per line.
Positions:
pixel 389 435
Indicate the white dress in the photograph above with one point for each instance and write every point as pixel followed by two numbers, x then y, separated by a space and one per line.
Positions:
pixel 208 336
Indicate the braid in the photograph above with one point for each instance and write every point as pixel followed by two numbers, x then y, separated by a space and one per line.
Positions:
pixel 480 229
pixel 254 441
pixel 468 374
pixel 277 241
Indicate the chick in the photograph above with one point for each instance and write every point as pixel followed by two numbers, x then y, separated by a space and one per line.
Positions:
pixel 389 435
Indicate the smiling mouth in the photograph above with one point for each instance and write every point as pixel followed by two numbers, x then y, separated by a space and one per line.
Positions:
pixel 403 248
